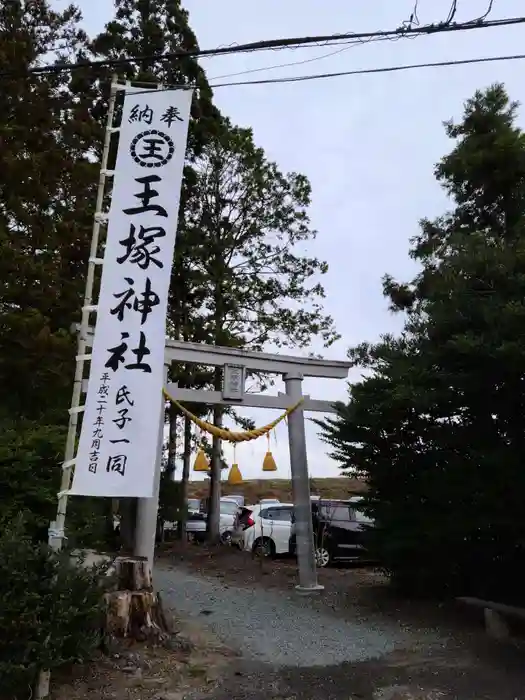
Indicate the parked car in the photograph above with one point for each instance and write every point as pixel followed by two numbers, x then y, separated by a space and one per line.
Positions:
pixel 270 531
pixel 230 510
pixel 196 523
pixel 239 498
pixel 194 505
pixel 266 501
pixel 339 528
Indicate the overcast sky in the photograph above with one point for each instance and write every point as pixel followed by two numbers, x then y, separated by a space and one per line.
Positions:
pixel 367 143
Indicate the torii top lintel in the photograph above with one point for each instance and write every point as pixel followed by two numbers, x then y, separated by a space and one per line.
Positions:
pixel 218 356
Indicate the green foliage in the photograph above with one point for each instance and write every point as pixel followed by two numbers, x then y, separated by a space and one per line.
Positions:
pixel 246 224
pixel 436 425
pixel 90 524
pixel 46 204
pixel 156 27
pixel 238 279
pixel 30 459
pixel 30 455
pixel 51 612
pixel 51 130
pixel 35 365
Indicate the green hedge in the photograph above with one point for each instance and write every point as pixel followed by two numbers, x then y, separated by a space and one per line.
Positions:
pixel 51 611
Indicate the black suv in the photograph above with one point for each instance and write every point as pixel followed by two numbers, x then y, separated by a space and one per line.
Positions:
pixel 339 528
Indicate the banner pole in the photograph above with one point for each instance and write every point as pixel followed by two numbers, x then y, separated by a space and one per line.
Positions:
pixel 56 528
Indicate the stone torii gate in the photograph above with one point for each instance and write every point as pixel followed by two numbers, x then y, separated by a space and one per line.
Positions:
pixel 235 363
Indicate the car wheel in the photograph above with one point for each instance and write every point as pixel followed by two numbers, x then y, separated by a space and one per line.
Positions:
pixel 263 547
pixel 322 557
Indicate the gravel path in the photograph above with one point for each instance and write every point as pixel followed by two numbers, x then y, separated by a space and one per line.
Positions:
pixel 281 629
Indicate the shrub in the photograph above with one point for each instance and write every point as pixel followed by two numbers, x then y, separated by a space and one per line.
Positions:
pixel 30 457
pixel 51 611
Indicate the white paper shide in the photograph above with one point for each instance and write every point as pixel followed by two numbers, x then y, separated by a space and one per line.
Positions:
pixel 118 442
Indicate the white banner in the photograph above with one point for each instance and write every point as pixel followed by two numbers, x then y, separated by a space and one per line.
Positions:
pixel 120 427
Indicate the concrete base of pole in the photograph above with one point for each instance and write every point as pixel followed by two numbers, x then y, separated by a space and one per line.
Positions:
pixel 42 687
pixel 309 590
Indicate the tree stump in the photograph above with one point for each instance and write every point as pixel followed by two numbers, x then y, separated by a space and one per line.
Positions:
pixel 134 611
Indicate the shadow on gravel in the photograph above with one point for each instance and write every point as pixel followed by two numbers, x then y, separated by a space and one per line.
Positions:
pixel 485 675
pixel 468 666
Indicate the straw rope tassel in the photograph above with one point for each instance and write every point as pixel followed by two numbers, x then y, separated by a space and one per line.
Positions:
pixel 201 461
pixel 235 476
pixel 269 462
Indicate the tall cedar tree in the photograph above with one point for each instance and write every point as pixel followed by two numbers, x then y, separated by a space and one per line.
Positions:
pixel 247 225
pixel 51 134
pixel 48 149
pixel 149 28
pixel 437 428
pixel 46 193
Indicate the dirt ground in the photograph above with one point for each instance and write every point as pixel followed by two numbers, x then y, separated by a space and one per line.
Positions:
pixel 470 667
pixel 200 668
pixel 194 663
pixel 346 586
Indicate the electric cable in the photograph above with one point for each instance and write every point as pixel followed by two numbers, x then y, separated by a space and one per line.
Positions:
pixel 487 11
pixel 353 45
pixel 265 45
pixel 452 12
pixel 413 21
pixel 371 71
pixel 340 74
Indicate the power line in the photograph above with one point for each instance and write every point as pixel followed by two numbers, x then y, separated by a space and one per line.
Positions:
pixel 452 12
pixel 413 21
pixel 371 71
pixel 364 71
pixel 487 11
pixel 352 45
pixel 346 47
pixel 266 45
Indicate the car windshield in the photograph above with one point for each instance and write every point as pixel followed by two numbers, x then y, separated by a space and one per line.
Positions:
pixel 334 511
pixel 237 499
pixel 229 507
pixel 361 517
pixel 194 504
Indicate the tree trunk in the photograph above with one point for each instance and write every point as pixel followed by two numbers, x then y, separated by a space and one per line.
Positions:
pixel 110 510
pixel 181 527
pixel 128 520
pixel 172 443
pixel 213 523
pixel 213 534
pixel 134 611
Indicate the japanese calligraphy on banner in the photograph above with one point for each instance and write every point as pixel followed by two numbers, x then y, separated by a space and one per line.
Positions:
pixel 120 427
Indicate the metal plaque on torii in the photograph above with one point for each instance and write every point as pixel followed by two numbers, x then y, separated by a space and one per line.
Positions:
pixel 233 382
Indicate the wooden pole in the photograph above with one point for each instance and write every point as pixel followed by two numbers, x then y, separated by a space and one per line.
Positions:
pixel 56 528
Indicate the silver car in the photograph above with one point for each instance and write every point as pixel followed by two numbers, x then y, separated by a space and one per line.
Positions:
pixel 196 523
